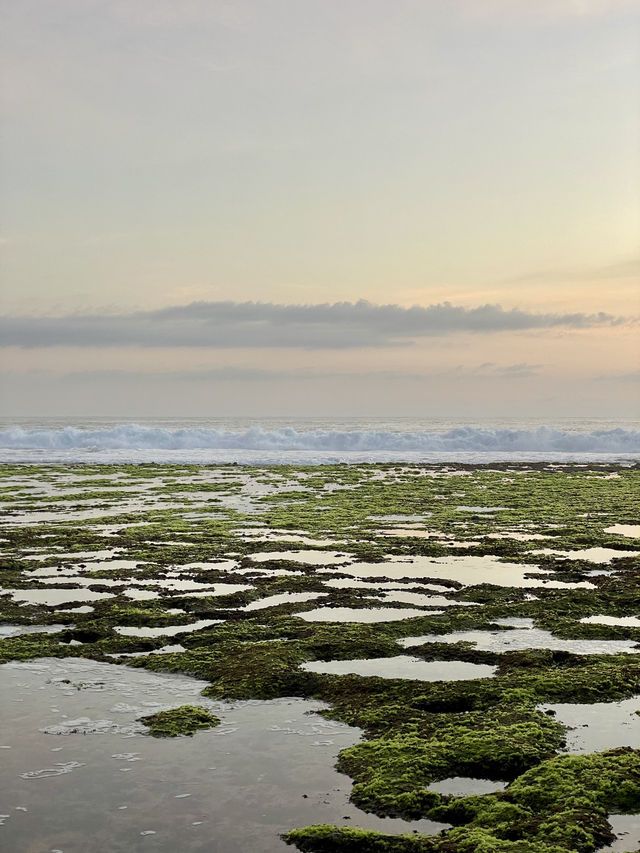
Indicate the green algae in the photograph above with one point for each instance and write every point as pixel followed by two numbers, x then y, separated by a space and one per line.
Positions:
pixel 326 839
pixel 330 839
pixel 184 720
pixel 414 733
pixel 392 773
pixel 564 800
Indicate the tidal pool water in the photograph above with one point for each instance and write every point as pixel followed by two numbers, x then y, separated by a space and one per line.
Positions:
pixel 622 621
pixel 350 583
pixel 314 558
pixel 172 649
pixel 54 596
pixel 469 571
pixel 84 608
pixel 519 639
pixel 187 586
pixel 81 580
pixel 78 766
pixel 74 556
pixel 141 594
pixel 517 536
pixel 422 600
pixel 627 830
pixel 362 614
pixel 403 666
pixel 20 630
pixel 632 530
pixel 165 630
pixel 599 726
pixel 592 555
pixel 411 533
pixel 297 536
pixel 282 598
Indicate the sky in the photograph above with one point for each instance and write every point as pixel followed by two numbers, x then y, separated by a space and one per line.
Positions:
pixel 320 207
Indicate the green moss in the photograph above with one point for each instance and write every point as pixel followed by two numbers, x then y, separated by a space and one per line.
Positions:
pixel 392 773
pixel 184 720
pixel 29 646
pixel 413 733
pixel 611 780
pixel 330 839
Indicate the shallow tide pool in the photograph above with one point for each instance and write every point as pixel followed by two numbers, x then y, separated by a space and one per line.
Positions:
pixel 599 726
pixel 232 789
pixel 404 666
pixel 469 571
pixel 519 639
pixel 362 614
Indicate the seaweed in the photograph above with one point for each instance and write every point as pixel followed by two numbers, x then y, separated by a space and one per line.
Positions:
pixel 184 720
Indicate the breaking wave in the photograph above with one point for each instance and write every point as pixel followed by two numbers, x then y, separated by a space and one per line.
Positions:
pixel 133 437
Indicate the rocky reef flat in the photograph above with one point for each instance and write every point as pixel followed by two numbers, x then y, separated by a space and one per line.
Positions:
pixel 464 641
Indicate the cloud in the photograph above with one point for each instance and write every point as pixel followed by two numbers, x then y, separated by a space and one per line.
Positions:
pixel 233 373
pixel 508 371
pixel 225 325
pixel 216 374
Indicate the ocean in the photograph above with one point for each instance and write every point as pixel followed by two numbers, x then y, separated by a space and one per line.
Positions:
pixel 313 440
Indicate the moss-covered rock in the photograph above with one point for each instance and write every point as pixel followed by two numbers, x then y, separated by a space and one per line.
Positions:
pixel 414 733
pixel 184 720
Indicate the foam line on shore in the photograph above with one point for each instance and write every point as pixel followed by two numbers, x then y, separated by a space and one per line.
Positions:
pixel 460 440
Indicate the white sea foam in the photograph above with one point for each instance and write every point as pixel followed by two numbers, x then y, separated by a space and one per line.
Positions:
pixel 256 444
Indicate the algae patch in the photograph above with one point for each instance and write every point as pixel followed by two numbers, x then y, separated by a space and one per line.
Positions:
pixel 184 720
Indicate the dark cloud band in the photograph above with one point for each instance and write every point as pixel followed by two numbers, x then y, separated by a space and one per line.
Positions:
pixel 341 325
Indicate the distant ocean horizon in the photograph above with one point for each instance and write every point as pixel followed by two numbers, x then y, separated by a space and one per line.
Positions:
pixel 316 440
